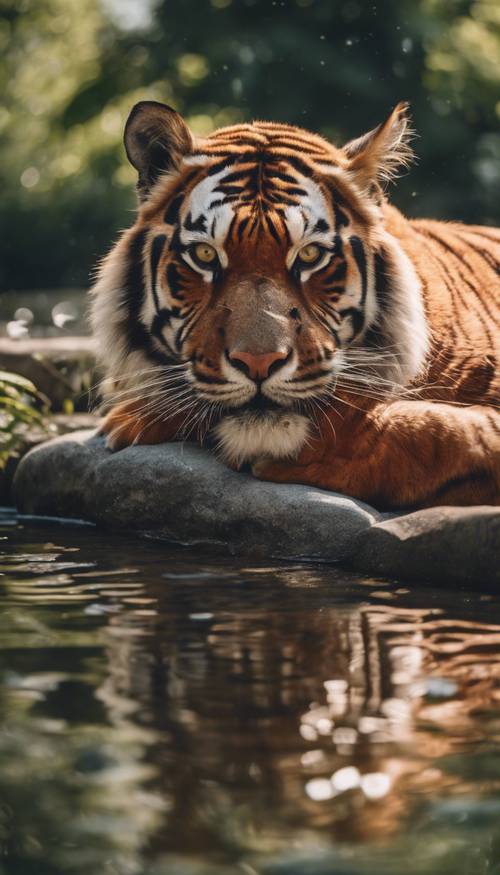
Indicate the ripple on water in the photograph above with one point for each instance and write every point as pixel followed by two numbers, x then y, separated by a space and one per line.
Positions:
pixel 178 713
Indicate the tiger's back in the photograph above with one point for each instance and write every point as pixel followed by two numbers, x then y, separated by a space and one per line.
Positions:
pixel 459 269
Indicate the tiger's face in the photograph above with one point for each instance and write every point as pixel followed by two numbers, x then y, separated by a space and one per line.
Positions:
pixel 253 268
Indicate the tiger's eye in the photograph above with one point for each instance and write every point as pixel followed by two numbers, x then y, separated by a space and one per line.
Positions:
pixel 205 253
pixel 310 253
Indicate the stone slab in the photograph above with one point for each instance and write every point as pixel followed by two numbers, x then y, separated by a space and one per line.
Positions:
pixel 442 544
pixel 182 493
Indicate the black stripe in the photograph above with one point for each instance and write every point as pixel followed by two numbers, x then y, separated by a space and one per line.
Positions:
pixel 493 421
pixel 338 248
pixel 473 288
pixel 358 251
pixel 326 325
pixel 283 177
pixel 229 189
pixel 156 251
pixel 272 229
pixel 321 227
pixel 332 311
pixel 374 336
pixel 478 477
pixel 480 231
pixel 382 281
pixel 339 199
pixel 236 176
pixel 219 202
pixel 175 243
pixel 356 316
pixel 338 274
pixel 199 224
pixel 220 165
pixel 311 376
pixel 254 225
pixel 172 212
pixel 291 192
pixel 340 217
pixel 134 292
pixel 295 162
pixel 174 280
pixel 487 256
pixel 161 319
pixel 212 381
pixel 185 330
pixel 281 198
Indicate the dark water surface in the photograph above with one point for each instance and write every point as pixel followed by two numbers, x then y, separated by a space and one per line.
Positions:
pixel 168 712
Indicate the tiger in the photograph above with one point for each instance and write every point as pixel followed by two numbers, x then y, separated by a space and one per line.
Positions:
pixel 270 303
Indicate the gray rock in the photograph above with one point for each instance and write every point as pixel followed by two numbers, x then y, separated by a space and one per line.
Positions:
pixel 60 423
pixel 441 544
pixel 180 492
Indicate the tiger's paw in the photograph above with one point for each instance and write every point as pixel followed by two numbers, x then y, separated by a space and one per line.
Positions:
pixel 277 471
pixel 120 428
pixel 302 470
pixel 124 427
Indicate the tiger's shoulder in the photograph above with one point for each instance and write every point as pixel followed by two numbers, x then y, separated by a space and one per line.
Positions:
pixel 458 267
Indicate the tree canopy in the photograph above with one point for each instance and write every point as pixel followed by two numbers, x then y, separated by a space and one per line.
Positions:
pixel 70 70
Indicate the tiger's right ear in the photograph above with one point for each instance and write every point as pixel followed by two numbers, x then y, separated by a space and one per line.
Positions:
pixel 156 139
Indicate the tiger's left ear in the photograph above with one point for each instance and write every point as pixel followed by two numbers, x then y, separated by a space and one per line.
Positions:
pixel 379 155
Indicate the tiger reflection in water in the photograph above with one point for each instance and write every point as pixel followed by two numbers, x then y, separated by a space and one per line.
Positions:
pixel 339 720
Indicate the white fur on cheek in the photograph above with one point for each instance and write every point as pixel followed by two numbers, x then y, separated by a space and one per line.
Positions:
pixel 250 435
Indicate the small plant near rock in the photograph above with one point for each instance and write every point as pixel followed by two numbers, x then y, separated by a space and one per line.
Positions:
pixel 22 408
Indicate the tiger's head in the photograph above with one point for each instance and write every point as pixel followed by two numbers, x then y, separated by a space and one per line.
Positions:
pixel 259 276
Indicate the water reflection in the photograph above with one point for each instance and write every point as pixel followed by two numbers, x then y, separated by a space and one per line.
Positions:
pixel 172 712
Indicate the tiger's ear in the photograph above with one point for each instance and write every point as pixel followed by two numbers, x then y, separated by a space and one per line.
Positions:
pixel 156 139
pixel 378 156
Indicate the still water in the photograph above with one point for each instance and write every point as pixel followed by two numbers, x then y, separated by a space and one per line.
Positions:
pixel 169 712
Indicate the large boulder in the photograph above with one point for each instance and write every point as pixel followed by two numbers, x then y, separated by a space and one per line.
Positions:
pixel 440 544
pixel 182 493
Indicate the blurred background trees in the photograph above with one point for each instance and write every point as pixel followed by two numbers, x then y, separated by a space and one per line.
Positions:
pixel 71 69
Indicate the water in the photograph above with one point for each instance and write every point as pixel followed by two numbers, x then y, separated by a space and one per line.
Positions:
pixel 169 712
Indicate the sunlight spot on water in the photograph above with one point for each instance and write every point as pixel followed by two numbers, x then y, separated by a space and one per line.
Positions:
pixel 320 789
pixel 312 758
pixel 308 733
pixel 346 779
pixel 367 725
pixel 344 735
pixel 375 785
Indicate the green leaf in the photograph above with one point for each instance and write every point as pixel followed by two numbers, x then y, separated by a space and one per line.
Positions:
pixel 16 380
pixel 24 411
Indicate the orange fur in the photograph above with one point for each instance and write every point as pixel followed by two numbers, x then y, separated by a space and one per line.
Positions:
pixel 436 438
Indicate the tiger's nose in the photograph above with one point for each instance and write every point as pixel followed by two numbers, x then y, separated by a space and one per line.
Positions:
pixel 257 367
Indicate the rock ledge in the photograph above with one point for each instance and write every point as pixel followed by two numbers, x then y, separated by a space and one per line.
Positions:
pixel 181 493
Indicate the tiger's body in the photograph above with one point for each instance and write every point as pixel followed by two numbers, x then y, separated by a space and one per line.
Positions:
pixel 269 300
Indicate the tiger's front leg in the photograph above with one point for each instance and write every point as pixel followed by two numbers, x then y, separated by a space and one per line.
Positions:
pixel 404 454
pixel 128 424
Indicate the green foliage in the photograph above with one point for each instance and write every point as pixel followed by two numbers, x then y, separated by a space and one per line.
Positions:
pixel 18 412
pixel 71 69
